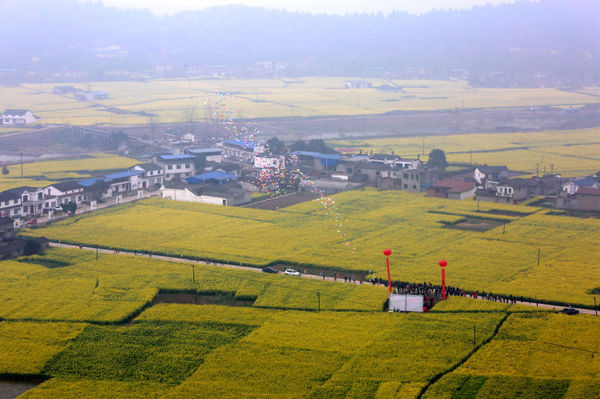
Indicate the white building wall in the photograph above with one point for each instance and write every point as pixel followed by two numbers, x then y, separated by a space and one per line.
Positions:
pixel 188 196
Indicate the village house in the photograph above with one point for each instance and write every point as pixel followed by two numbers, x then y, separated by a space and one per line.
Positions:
pixel 151 178
pixel 504 193
pixel 217 177
pixel 18 117
pixel 212 154
pixel 62 90
pixel 22 202
pixel 572 186
pixel 176 166
pixel 91 95
pixel 228 193
pixel 485 173
pixel 241 151
pixel 357 84
pixel 396 161
pixel 317 161
pixel 226 167
pixel 407 179
pixel 584 199
pixel 65 192
pixel 452 189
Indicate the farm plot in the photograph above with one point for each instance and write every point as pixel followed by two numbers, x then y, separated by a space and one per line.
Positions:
pixel 44 173
pixel 502 259
pixel 533 355
pixel 179 100
pixel 115 288
pixel 568 152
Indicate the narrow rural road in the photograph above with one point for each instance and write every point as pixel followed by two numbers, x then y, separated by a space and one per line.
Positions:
pixel 259 270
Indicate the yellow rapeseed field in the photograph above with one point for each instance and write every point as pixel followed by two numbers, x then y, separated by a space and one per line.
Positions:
pixel 44 173
pixel 178 100
pixel 503 259
pixel 567 152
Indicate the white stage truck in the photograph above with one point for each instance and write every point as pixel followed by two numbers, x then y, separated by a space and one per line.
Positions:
pixel 406 303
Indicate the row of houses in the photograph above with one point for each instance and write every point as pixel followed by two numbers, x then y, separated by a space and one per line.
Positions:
pixel 493 184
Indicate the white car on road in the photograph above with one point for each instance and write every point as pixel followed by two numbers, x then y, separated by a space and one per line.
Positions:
pixel 291 272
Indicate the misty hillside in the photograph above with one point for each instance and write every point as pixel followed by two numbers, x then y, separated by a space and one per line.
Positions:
pixel 554 41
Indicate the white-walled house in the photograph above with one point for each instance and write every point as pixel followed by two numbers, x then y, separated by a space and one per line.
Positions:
pixel 176 166
pixel 65 192
pixel 152 175
pixel 22 201
pixel 18 117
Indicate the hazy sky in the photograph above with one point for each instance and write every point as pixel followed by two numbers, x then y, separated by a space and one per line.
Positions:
pixel 315 6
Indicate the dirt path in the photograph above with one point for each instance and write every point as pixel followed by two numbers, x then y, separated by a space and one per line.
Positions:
pixel 259 270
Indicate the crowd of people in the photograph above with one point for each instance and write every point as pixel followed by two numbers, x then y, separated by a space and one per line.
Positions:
pixel 431 291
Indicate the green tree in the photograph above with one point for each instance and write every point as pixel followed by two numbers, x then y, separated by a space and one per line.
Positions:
pixel 318 145
pixel 97 189
pixel 298 145
pixel 5 170
pixel 275 146
pixel 71 207
pixel 437 160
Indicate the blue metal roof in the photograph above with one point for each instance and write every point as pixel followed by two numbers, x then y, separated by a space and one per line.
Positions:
pixel 214 175
pixel 205 150
pixel 319 155
pixel 174 157
pixel 245 144
pixel 126 173
pixel 90 181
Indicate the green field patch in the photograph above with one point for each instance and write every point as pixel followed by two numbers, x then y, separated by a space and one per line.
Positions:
pixel 161 352
pixel 473 224
pixel 470 387
pixel 503 387
pixel 49 263
pixel 194 297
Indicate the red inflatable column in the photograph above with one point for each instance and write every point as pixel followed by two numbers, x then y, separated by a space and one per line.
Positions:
pixel 387 253
pixel 443 264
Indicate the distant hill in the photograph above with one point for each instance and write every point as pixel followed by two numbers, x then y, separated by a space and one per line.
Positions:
pixel 550 42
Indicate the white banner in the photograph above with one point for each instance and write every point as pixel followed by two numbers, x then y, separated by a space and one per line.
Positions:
pixel 406 303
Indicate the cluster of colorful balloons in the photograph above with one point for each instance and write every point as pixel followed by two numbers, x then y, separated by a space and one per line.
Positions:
pixel 278 179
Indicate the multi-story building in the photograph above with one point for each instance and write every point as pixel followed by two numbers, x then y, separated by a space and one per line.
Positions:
pixel 176 166
pixel 22 201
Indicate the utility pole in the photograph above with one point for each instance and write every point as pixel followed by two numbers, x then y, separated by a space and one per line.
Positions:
pixel 503 228
pixel 319 300
pixel 538 261
pixel 595 307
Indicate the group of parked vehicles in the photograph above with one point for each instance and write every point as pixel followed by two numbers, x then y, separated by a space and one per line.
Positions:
pixel 287 272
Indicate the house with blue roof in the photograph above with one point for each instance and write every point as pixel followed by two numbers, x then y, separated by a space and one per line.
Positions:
pixel 176 166
pixel 241 150
pixel 216 176
pixel 318 161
